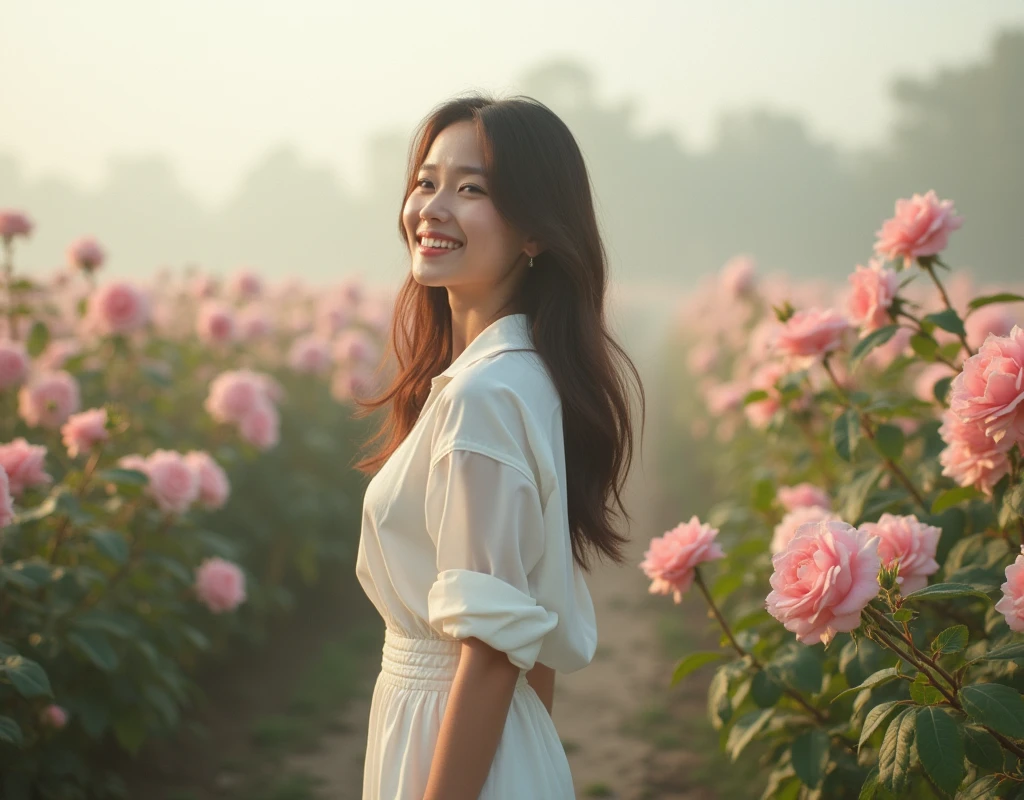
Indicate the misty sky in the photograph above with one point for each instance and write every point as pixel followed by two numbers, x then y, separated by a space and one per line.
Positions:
pixel 215 84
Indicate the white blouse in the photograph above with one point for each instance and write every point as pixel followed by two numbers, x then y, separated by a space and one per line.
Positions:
pixel 465 528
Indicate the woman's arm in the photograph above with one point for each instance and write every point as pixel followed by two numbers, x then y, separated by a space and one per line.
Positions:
pixel 542 679
pixel 473 722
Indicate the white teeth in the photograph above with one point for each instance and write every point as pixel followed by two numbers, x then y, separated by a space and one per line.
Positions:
pixel 444 243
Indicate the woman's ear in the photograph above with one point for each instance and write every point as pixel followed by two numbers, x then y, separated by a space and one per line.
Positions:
pixel 533 248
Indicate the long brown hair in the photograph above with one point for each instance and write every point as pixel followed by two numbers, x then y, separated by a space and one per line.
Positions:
pixel 538 182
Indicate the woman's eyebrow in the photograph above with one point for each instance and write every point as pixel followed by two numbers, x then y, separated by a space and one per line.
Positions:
pixel 463 170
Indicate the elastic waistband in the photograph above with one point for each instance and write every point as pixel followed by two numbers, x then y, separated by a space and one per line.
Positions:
pixel 426 664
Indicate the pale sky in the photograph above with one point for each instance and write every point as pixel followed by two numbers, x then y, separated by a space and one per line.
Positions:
pixel 215 84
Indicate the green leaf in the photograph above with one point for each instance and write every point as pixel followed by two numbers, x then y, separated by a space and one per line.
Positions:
pixel 903 615
pixel 799 668
pixel 876 716
pixel 26 676
pixel 1013 502
pixel 953 497
pixel 755 396
pixel 719 706
pixel 951 640
pixel 764 691
pixel 1008 652
pixel 763 495
pixel 122 477
pixel 984 788
pixel 982 748
pixel 809 755
pixel 894 755
pixel 875 679
pixel 114 623
pixel 867 791
pixel 948 320
pixel 923 692
pixel 96 648
pixel 999 707
pixel 889 439
pixel 10 731
pixel 745 729
pixel 870 342
pixel 945 591
pixel 924 346
pixel 1002 297
pixel 130 729
pixel 38 338
pixel 111 544
pixel 692 662
pixel 940 746
pixel 845 434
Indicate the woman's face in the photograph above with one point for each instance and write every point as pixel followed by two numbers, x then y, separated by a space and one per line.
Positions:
pixel 469 248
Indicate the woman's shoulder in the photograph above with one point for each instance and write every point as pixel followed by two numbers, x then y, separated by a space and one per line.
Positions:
pixel 515 379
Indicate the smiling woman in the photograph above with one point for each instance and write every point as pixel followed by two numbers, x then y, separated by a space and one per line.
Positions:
pixel 507 443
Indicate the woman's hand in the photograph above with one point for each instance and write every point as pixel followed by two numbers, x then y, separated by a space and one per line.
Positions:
pixel 473 722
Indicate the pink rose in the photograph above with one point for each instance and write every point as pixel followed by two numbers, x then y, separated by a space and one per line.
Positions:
pixel 737 276
pixel 118 308
pixel 6 501
pixel 970 457
pixel 84 431
pixel 910 542
pixel 260 427
pixel 702 358
pixel 990 389
pixel 924 384
pixel 215 323
pixel 723 397
pixel 811 333
pixel 310 354
pixel 214 486
pixel 54 716
pixel 233 395
pixel 245 285
pixel 1011 604
pixel 351 384
pixel 24 464
pixel 920 228
pixel 823 579
pixel 172 482
pixel 48 399
pixel 995 319
pixel 671 559
pixel 86 254
pixel 354 346
pixel 760 412
pixel 790 524
pixel 332 315
pixel 220 585
pixel 254 323
pixel 801 496
pixel 134 462
pixel 203 287
pixel 14 364
pixel 874 288
pixel 14 223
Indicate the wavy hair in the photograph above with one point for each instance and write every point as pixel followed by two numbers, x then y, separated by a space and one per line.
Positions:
pixel 538 182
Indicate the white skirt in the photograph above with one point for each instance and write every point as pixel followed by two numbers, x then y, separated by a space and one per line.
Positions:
pixel 408 704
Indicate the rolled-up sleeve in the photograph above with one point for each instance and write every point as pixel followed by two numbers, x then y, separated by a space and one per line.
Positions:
pixel 485 516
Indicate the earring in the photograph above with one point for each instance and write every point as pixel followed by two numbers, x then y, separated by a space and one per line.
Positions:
pixel 531 261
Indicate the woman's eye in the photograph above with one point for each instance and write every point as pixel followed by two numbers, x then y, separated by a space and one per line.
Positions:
pixel 471 186
pixel 421 182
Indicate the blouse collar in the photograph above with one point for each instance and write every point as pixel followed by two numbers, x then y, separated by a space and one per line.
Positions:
pixel 511 332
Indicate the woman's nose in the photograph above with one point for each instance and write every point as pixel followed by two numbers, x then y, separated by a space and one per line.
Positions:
pixel 435 208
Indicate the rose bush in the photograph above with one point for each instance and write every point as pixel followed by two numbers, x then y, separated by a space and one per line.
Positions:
pixel 164 490
pixel 871 470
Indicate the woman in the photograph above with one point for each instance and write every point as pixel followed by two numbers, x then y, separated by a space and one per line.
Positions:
pixel 508 429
